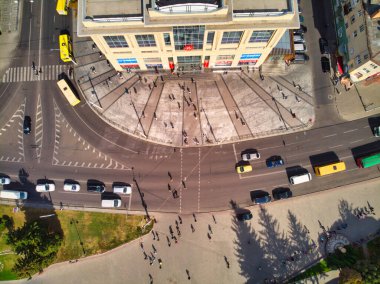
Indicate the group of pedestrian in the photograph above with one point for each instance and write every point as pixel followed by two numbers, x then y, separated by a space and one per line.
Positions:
pixel 172 190
pixel 363 212
pixel 35 69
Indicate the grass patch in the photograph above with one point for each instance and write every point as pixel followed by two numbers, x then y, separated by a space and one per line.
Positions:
pixel 374 250
pixel 317 269
pixel 98 232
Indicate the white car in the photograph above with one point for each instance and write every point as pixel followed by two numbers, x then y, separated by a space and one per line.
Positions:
pixel 5 180
pixel 250 156
pixel 71 187
pixel 122 189
pixel 45 187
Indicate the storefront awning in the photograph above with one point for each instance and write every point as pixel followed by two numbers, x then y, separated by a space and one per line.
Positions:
pixel 339 63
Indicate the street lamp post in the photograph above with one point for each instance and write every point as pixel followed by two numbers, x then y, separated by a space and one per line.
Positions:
pixel 75 222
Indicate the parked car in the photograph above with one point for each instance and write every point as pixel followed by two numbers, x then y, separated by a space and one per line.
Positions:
pixel 274 161
pixel 298 38
pixel 243 168
pixel 245 216
pixel 323 46
pixel 261 199
pixel 281 193
pixel 71 187
pixel 27 124
pixel 325 63
pixel 96 188
pixel 301 30
pixel 5 180
pixel 250 155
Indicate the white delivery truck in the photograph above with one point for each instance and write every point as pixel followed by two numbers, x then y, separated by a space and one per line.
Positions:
pixel 13 194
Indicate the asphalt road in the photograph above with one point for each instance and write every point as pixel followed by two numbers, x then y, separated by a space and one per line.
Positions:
pixel 204 178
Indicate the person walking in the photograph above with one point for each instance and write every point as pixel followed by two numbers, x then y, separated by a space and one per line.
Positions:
pixel 192 228
pixel 160 262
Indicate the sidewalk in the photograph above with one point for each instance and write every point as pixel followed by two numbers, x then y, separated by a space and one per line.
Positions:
pixel 254 250
pixel 362 100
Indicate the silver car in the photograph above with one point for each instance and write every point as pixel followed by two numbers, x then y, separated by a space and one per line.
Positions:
pixel 250 156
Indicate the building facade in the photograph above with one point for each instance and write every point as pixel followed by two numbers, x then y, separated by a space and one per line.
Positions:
pixel 358 38
pixel 186 34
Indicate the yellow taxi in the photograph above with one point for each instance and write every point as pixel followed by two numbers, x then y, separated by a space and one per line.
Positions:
pixel 240 169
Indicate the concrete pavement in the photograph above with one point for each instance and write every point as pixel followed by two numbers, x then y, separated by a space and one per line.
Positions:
pixel 255 250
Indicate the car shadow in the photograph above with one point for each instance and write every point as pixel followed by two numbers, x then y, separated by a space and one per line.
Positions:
pixel 323 159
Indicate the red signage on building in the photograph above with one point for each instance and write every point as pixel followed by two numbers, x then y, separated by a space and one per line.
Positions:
pixel 171 65
pixel 205 63
pixel 188 47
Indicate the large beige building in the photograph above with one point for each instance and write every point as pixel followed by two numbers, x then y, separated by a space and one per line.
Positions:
pixel 186 34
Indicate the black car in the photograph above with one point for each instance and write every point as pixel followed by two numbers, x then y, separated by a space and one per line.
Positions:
pixel 244 216
pixel 27 124
pixel 96 188
pixel 301 30
pixel 325 62
pixel 282 193
pixel 323 46
pixel 265 198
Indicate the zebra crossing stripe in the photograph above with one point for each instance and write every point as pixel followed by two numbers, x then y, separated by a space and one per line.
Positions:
pixel 22 73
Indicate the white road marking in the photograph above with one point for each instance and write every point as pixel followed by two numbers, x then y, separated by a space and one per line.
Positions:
pixel 356 141
pixel 331 135
pixel 336 146
pixel 352 130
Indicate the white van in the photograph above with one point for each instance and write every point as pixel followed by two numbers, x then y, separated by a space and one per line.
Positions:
pixel 111 203
pixel 300 178
pixel 122 189
pixel 45 187
pixel 300 47
pixel 13 194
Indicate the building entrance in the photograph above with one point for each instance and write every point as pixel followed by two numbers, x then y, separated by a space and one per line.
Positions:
pixel 189 63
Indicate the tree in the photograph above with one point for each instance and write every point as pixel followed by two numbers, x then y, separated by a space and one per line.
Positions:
pixel 35 246
pixel 350 276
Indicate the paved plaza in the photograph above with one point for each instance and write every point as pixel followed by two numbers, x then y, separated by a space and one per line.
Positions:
pixel 189 109
pixel 224 250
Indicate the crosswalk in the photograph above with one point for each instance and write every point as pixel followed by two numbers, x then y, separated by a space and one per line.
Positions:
pixel 25 74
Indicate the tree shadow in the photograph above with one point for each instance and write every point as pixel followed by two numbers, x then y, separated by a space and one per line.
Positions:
pixel 41 214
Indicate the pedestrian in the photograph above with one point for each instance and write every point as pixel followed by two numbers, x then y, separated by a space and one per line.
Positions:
pixel 227 262
pixel 195 219
pixel 209 228
pixel 180 219
pixel 297 99
pixel 167 238
pixel 178 232
pixel 33 65
pixel 160 262
pixel 175 239
pixel 170 176
pixel 209 236
pixel 192 228
pixel 184 186
pixel 171 124
pixel 213 217
pixel 192 80
pixel 100 55
pixel 154 249
pixel 188 274
pixel 158 238
pixel 176 223
pixel 179 105
pixel 143 114
pixel 171 230
pixel 150 278
pixel 145 255
pixel 142 246
pixel 154 236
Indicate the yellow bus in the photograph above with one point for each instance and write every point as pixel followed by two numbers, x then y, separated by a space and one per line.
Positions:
pixel 68 92
pixel 330 169
pixel 62 7
pixel 65 48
